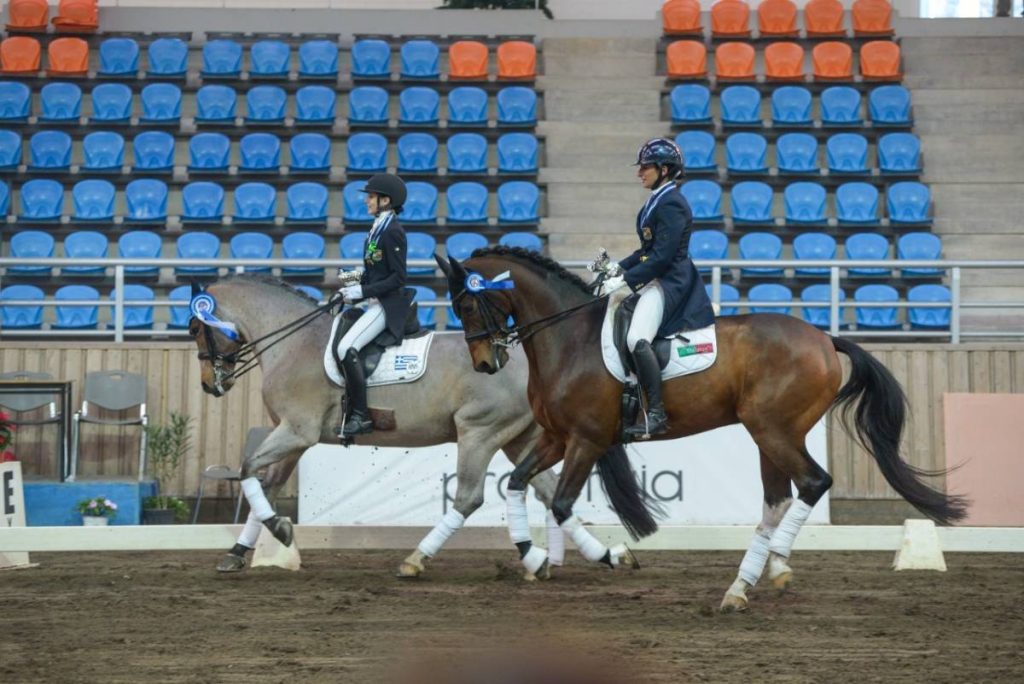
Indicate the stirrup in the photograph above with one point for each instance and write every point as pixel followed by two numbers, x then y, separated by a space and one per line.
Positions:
pixel 356 425
pixel 654 422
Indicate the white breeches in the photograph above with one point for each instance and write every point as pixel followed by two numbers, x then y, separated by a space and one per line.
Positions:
pixel 364 330
pixel 647 317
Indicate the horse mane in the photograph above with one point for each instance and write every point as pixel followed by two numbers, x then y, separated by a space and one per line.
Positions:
pixel 268 280
pixel 545 263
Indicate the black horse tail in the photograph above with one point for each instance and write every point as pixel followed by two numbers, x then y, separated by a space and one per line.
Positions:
pixel 879 419
pixel 635 508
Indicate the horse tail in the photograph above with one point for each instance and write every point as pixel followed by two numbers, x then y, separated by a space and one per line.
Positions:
pixel 879 418
pixel 631 503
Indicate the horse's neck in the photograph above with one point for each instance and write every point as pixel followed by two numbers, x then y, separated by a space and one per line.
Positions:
pixel 261 311
pixel 555 347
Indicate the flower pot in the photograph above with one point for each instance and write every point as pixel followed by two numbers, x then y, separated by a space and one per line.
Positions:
pixel 158 516
pixel 94 520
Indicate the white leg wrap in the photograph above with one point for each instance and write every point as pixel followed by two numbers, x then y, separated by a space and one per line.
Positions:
pixel 591 549
pixel 534 559
pixel 518 521
pixel 258 504
pixel 250 531
pixel 785 534
pixel 754 559
pixel 556 541
pixel 435 539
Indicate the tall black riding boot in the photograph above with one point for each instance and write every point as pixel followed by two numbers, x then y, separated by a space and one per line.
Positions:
pixel 648 373
pixel 358 422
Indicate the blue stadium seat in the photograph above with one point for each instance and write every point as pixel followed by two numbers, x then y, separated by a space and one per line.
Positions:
pixel 770 292
pixel 727 294
pixel 310 152
pixel 462 245
pixel 265 104
pixel 216 103
pixel 884 318
pixel 467 203
pixel 15 101
pixel 746 152
pixel 704 198
pixel 313 293
pixel 371 58
pixel 84 244
pixel 899 153
pixel 847 153
pixel 857 203
pixel 351 245
pixel 181 316
pixel 367 105
pixel 517 106
pixel 355 208
pixel 928 318
pixel 222 59
pixel 741 106
pixel 420 59
pixel 420 246
pixel 5 199
pixel 167 57
pixel 691 104
pixel 111 102
pixel 821 317
pixel 31 244
pixel 161 102
pixel 17 316
pixel 805 202
pixel 119 57
pixel 813 247
pixel 867 246
pixel 302 246
pixel 518 202
pixel 708 244
pixel 427 314
pixel 840 106
pixel 761 246
pixel 260 152
pixel 318 59
pixel 269 59
pixel 197 245
pixel 307 202
pixel 50 150
pixel 146 200
pixel 467 153
pixel 523 240
pixel 698 148
pixel 417 153
pixel 314 106
pixel 140 244
pixel 93 200
pixel 60 102
pixel 153 151
pixel 208 152
pixel 908 202
pixel 751 202
pixel 10 150
pixel 889 105
pixel 367 152
pixel 517 153
pixel 255 202
pixel 797 153
pixel 418 106
pixel 202 201
pixel 252 246
pixel 103 151
pixel 77 317
pixel 791 106
pixel 136 316
pixel 919 246
pixel 467 106
pixel 421 203
pixel 42 199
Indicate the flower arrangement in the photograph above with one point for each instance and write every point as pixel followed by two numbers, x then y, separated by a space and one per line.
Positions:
pixel 97 507
pixel 6 428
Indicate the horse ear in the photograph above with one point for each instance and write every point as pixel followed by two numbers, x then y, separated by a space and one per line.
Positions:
pixel 442 263
pixel 458 270
pixel 196 289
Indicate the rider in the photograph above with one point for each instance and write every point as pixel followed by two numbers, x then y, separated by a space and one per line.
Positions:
pixel 382 284
pixel 672 296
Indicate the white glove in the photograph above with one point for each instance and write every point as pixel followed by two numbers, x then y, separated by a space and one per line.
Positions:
pixel 612 284
pixel 352 293
pixel 613 269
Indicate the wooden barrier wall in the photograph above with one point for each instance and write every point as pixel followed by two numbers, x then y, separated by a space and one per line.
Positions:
pixel 172 372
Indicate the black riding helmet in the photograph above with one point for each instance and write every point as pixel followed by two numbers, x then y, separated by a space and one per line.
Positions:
pixel 661 152
pixel 389 185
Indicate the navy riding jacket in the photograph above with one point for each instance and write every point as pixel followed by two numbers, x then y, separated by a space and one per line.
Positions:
pixel 385 274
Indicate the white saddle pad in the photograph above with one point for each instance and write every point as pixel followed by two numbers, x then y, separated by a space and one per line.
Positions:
pixel 698 354
pixel 406 362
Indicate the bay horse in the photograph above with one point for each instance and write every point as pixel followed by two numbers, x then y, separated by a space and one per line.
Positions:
pixel 774 374
pixel 449 403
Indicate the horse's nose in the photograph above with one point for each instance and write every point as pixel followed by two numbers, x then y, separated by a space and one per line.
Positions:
pixel 484 367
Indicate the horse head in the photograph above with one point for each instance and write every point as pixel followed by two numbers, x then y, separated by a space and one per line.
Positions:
pixel 483 318
pixel 217 350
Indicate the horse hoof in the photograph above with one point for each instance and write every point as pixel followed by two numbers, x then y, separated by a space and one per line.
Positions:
pixel 782 581
pixel 625 558
pixel 231 563
pixel 543 573
pixel 409 570
pixel 733 604
pixel 281 528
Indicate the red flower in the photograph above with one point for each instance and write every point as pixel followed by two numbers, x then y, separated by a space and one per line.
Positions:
pixel 7 456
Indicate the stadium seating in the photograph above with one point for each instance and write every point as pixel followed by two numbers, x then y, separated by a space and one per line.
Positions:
pixel 417 153
pixel 302 245
pixel 167 57
pixel 820 317
pixel 314 105
pixel 93 200
pixel 368 105
pixel 517 106
pixel 21 317
pixel 309 152
pixel 153 151
pixel 252 246
pixel 872 18
pixel 420 204
pixel 197 245
pixel 255 202
pixel 832 60
pixel 371 58
pixel 517 59
pixel 146 200
pixel 60 102
pixel 265 104
pixel 103 151
pixel 202 201
pixel 136 316
pixel 813 247
pixel 919 246
pixel 889 105
pixel 467 106
pixel 908 202
pixel 467 59
pixel 730 19
pixel 708 244
pixel 880 60
pixel 139 244
pixel 760 246
pixel 314 293
pixel 42 199
pixel 20 55
pixel 215 103
pixel 15 101
pixel 77 317
pixel 704 198
pixel 5 199
pixel 467 153
pixel 797 153
pixel 698 148
pixel 840 106
pixel 418 106
pixel 523 240
pixel 420 246
pixel 741 106
pixel 777 18
pixel 735 61
pixel 857 203
pixel 518 202
pixel 318 59
pixel 784 61
pixel 517 153
pixel 161 102
pixel 67 57
pixel 355 209
pixel 222 59
pixel 751 202
pixel 804 203
pixel 269 59
pixel 10 150
pixel 119 57
pixel 111 102
pixel 181 316
pixel 727 294
pixel 770 292
pixel 77 16
pixel 209 152
pixel 746 153
pixel 691 104
pixel 928 318
pixel 867 246
pixel 899 153
pixel 686 59
pixel 791 106
pixel 260 152
pixel 50 151
pixel 31 244
pixel 351 245
pixel 27 15
pixel 878 318
pixel 452 321
pixel 462 245
pixel 367 152
pixel 420 59
pixel 427 314
pixel 847 153
pixel 681 18
pixel 466 202
pixel 307 202
pixel 824 19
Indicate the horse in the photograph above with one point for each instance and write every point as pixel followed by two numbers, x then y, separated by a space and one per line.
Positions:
pixel 774 374
pixel 263 320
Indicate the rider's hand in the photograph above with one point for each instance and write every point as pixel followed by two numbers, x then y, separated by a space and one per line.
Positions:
pixel 352 293
pixel 612 284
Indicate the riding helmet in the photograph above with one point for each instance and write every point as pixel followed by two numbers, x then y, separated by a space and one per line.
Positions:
pixel 389 185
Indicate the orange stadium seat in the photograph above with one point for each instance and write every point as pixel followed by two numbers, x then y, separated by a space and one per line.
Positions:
pixel 687 59
pixel 777 18
pixel 681 18
pixel 28 15
pixel 833 60
pixel 516 59
pixel 467 59
pixel 19 55
pixel 68 57
pixel 880 59
pixel 872 18
pixel 734 61
pixel 77 15
pixel 730 19
pixel 824 18
pixel 784 61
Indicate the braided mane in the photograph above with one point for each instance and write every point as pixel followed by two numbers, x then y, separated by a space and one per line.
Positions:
pixel 267 280
pixel 544 263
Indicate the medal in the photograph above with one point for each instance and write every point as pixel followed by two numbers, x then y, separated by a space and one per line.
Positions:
pixel 647 233
pixel 377 256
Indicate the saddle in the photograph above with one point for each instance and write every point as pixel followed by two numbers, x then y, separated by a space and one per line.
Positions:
pixel 623 317
pixel 370 354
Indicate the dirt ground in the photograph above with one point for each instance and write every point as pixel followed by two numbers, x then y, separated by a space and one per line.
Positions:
pixel 168 617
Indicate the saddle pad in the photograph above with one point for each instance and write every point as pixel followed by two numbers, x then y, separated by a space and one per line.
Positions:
pixel 406 362
pixel 695 355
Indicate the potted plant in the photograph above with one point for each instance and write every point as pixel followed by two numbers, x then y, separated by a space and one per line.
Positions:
pixel 167 446
pixel 6 428
pixel 97 511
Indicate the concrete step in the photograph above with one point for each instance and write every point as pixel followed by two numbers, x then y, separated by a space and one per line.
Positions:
pixel 599 66
pixel 639 82
pixel 583 245
pixel 602 105
pixel 971 208
pixel 974 158
pixel 595 199
pixel 968 63
pixel 603 48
